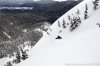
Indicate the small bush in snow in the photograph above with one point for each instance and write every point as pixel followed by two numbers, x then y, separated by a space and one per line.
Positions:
pixel 78 12
pixel 95 3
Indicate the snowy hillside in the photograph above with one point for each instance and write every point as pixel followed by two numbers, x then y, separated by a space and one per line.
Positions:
pixel 78 47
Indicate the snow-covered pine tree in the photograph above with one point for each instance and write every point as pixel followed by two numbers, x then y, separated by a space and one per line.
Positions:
pixel 79 20
pixel 59 24
pixel 74 23
pixel 95 3
pixel 86 12
pixel 69 18
pixel 18 57
pixel 24 55
pixel 71 21
pixel 64 24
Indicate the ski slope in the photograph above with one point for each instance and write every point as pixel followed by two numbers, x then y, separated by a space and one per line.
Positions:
pixel 80 47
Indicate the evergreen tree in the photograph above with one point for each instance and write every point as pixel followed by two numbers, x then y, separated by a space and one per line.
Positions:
pixel 95 3
pixel 79 19
pixel 64 24
pixel 24 55
pixel 86 12
pixel 18 57
pixel 74 23
pixel 69 18
pixel 71 21
pixel 59 24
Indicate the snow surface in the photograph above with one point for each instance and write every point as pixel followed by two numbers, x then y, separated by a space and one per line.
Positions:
pixel 80 47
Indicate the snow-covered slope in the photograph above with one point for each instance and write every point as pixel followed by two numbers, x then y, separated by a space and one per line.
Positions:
pixel 80 47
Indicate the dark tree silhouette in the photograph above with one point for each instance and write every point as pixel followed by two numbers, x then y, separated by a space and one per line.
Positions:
pixel 24 55
pixel 69 18
pixel 64 24
pixel 59 24
pixel 74 23
pixel 18 57
pixel 95 3
pixel 86 12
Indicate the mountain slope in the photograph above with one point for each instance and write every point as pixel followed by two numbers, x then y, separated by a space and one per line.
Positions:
pixel 80 46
